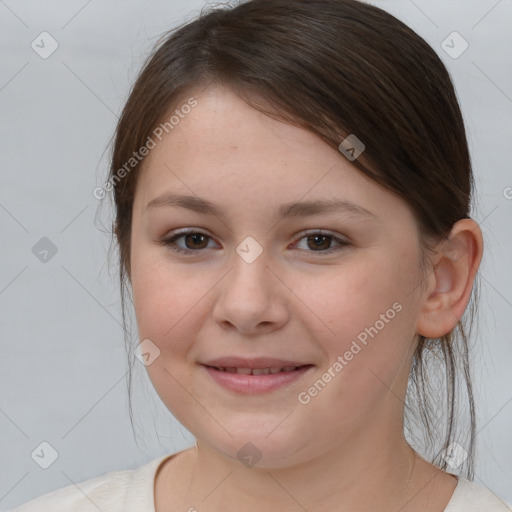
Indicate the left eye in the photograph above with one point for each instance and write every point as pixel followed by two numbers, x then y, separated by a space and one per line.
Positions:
pixel 320 240
pixel 195 241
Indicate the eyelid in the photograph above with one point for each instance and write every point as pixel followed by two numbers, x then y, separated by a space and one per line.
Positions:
pixel 169 240
pixel 320 231
pixel 340 239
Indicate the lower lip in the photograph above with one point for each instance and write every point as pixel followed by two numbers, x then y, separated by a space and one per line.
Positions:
pixel 253 384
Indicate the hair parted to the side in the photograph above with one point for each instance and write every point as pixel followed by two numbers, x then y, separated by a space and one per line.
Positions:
pixel 333 67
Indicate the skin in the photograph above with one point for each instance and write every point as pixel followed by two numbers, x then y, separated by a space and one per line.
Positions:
pixel 292 301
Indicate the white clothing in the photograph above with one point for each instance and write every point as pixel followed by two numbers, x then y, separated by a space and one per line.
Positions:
pixel 133 491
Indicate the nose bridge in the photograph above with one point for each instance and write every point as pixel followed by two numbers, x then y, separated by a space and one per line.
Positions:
pixel 250 264
pixel 249 295
pixel 249 249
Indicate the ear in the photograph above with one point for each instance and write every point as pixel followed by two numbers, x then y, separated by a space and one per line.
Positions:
pixel 451 280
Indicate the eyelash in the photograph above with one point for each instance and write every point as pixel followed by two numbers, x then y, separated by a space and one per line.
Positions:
pixel 170 242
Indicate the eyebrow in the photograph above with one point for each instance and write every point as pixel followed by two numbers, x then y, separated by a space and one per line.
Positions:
pixel 293 209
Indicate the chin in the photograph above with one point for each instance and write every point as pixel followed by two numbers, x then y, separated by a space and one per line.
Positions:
pixel 255 448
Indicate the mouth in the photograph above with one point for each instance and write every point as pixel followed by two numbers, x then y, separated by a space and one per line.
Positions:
pixel 255 376
pixel 257 371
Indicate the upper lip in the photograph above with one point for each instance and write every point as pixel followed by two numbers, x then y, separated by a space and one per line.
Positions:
pixel 257 362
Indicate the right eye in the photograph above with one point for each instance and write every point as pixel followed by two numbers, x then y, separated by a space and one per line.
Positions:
pixel 195 239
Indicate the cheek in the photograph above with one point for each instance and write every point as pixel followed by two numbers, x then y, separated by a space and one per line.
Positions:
pixel 166 302
pixel 368 312
pixel 353 298
pixel 367 361
pixel 164 298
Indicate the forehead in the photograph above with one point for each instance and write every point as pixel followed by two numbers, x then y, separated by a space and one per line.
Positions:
pixel 222 120
pixel 227 151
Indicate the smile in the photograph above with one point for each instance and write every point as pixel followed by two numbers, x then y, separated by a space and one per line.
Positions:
pixel 255 380
pixel 256 371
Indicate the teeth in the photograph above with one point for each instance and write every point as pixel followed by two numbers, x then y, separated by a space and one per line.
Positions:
pixel 260 371
pixel 256 371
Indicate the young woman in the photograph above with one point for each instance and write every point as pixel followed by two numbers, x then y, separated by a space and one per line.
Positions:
pixel 293 187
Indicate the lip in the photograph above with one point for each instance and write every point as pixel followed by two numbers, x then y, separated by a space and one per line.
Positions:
pixel 256 362
pixel 254 384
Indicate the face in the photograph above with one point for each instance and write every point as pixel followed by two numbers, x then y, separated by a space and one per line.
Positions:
pixel 334 292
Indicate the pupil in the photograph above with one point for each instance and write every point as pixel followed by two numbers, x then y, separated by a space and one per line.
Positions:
pixel 317 238
pixel 196 237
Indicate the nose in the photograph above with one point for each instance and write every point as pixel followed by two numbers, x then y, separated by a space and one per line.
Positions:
pixel 252 297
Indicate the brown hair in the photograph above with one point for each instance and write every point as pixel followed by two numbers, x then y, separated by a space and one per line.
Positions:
pixel 334 67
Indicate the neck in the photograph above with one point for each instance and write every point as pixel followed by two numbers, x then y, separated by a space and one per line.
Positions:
pixel 370 470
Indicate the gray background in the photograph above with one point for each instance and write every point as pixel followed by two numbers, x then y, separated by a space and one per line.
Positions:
pixel 63 362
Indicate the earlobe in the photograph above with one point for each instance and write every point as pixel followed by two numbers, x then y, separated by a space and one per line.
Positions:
pixel 458 259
